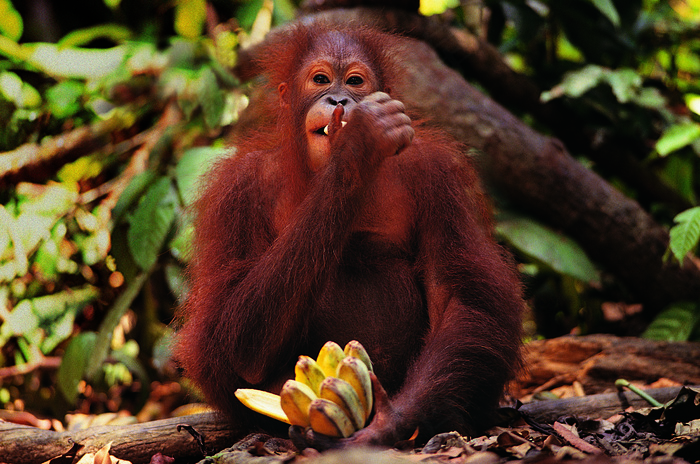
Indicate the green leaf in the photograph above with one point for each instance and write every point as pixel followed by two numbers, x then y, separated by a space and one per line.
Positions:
pixel 576 83
pixel 151 222
pixel 78 63
pixel 693 102
pixel 189 17
pixel 64 98
pixel 193 164
pixel 676 137
pixel 625 84
pixel 212 98
pixel 685 235
pixel 675 323
pixel 608 9
pixel 20 93
pixel 52 306
pixel 649 97
pixel 74 364
pixel 546 246
pixel 100 350
pixel 22 320
pixel 132 193
pixel 114 32
pixel 11 25
pixel 433 7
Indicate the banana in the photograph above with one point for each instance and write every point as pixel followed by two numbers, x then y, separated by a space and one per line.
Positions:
pixel 341 393
pixel 355 349
pixel 328 418
pixel 328 358
pixel 308 371
pixel 332 395
pixel 263 402
pixel 355 372
pixel 295 399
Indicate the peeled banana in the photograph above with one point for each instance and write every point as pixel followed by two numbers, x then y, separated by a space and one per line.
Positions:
pixel 263 402
pixel 332 394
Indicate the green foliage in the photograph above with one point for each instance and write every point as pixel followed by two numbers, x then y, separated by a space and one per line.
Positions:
pixel 626 85
pixel 17 92
pixel 678 136
pixel 433 7
pixel 189 17
pixel 73 365
pixel 547 248
pixel 64 98
pixel 686 234
pixel 11 24
pixel 151 222
pixel 194 163
pixel 78 255
pixel 607 7
pixel 675 323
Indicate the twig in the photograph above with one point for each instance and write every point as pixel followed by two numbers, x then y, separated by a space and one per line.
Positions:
pixel 48 362
pixel 624 383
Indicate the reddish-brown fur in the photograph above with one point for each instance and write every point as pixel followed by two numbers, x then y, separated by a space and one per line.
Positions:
pixel 394 251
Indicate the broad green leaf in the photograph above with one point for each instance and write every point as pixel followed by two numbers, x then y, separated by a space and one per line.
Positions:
pixel 22 320
pixel 677 137
pixel 52 306
pixel 78 63
pixel 675 323
pixel 284 11
pixel 608 9
pixel 114 32
pixel 685 235
pixel 693 102
pixel 64 98
pixel 85 167
pixel 433 7
pixel 50 200
pixel 679 171
pixel 20 93
pixel 132 193
pixel 625 84
pixel 58 312
pixel 211 97
pixel 11 25
pixel 175 278
pixel 151 223
pixel 548 247
pixel 189 17
pixel 649 97
pixel 74 364
pixel 576 83
pixel 193 164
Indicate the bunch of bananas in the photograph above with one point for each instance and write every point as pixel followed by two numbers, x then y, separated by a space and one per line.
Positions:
pixel 332 394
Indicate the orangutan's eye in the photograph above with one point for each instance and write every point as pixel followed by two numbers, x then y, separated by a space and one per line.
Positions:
pixel 321 79
pixel 355 80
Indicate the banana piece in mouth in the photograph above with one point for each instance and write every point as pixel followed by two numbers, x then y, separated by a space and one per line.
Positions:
pixel 325 129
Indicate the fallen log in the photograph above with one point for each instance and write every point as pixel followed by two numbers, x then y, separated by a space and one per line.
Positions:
pixel 21 444
pixel 600 406
pixel 596 361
